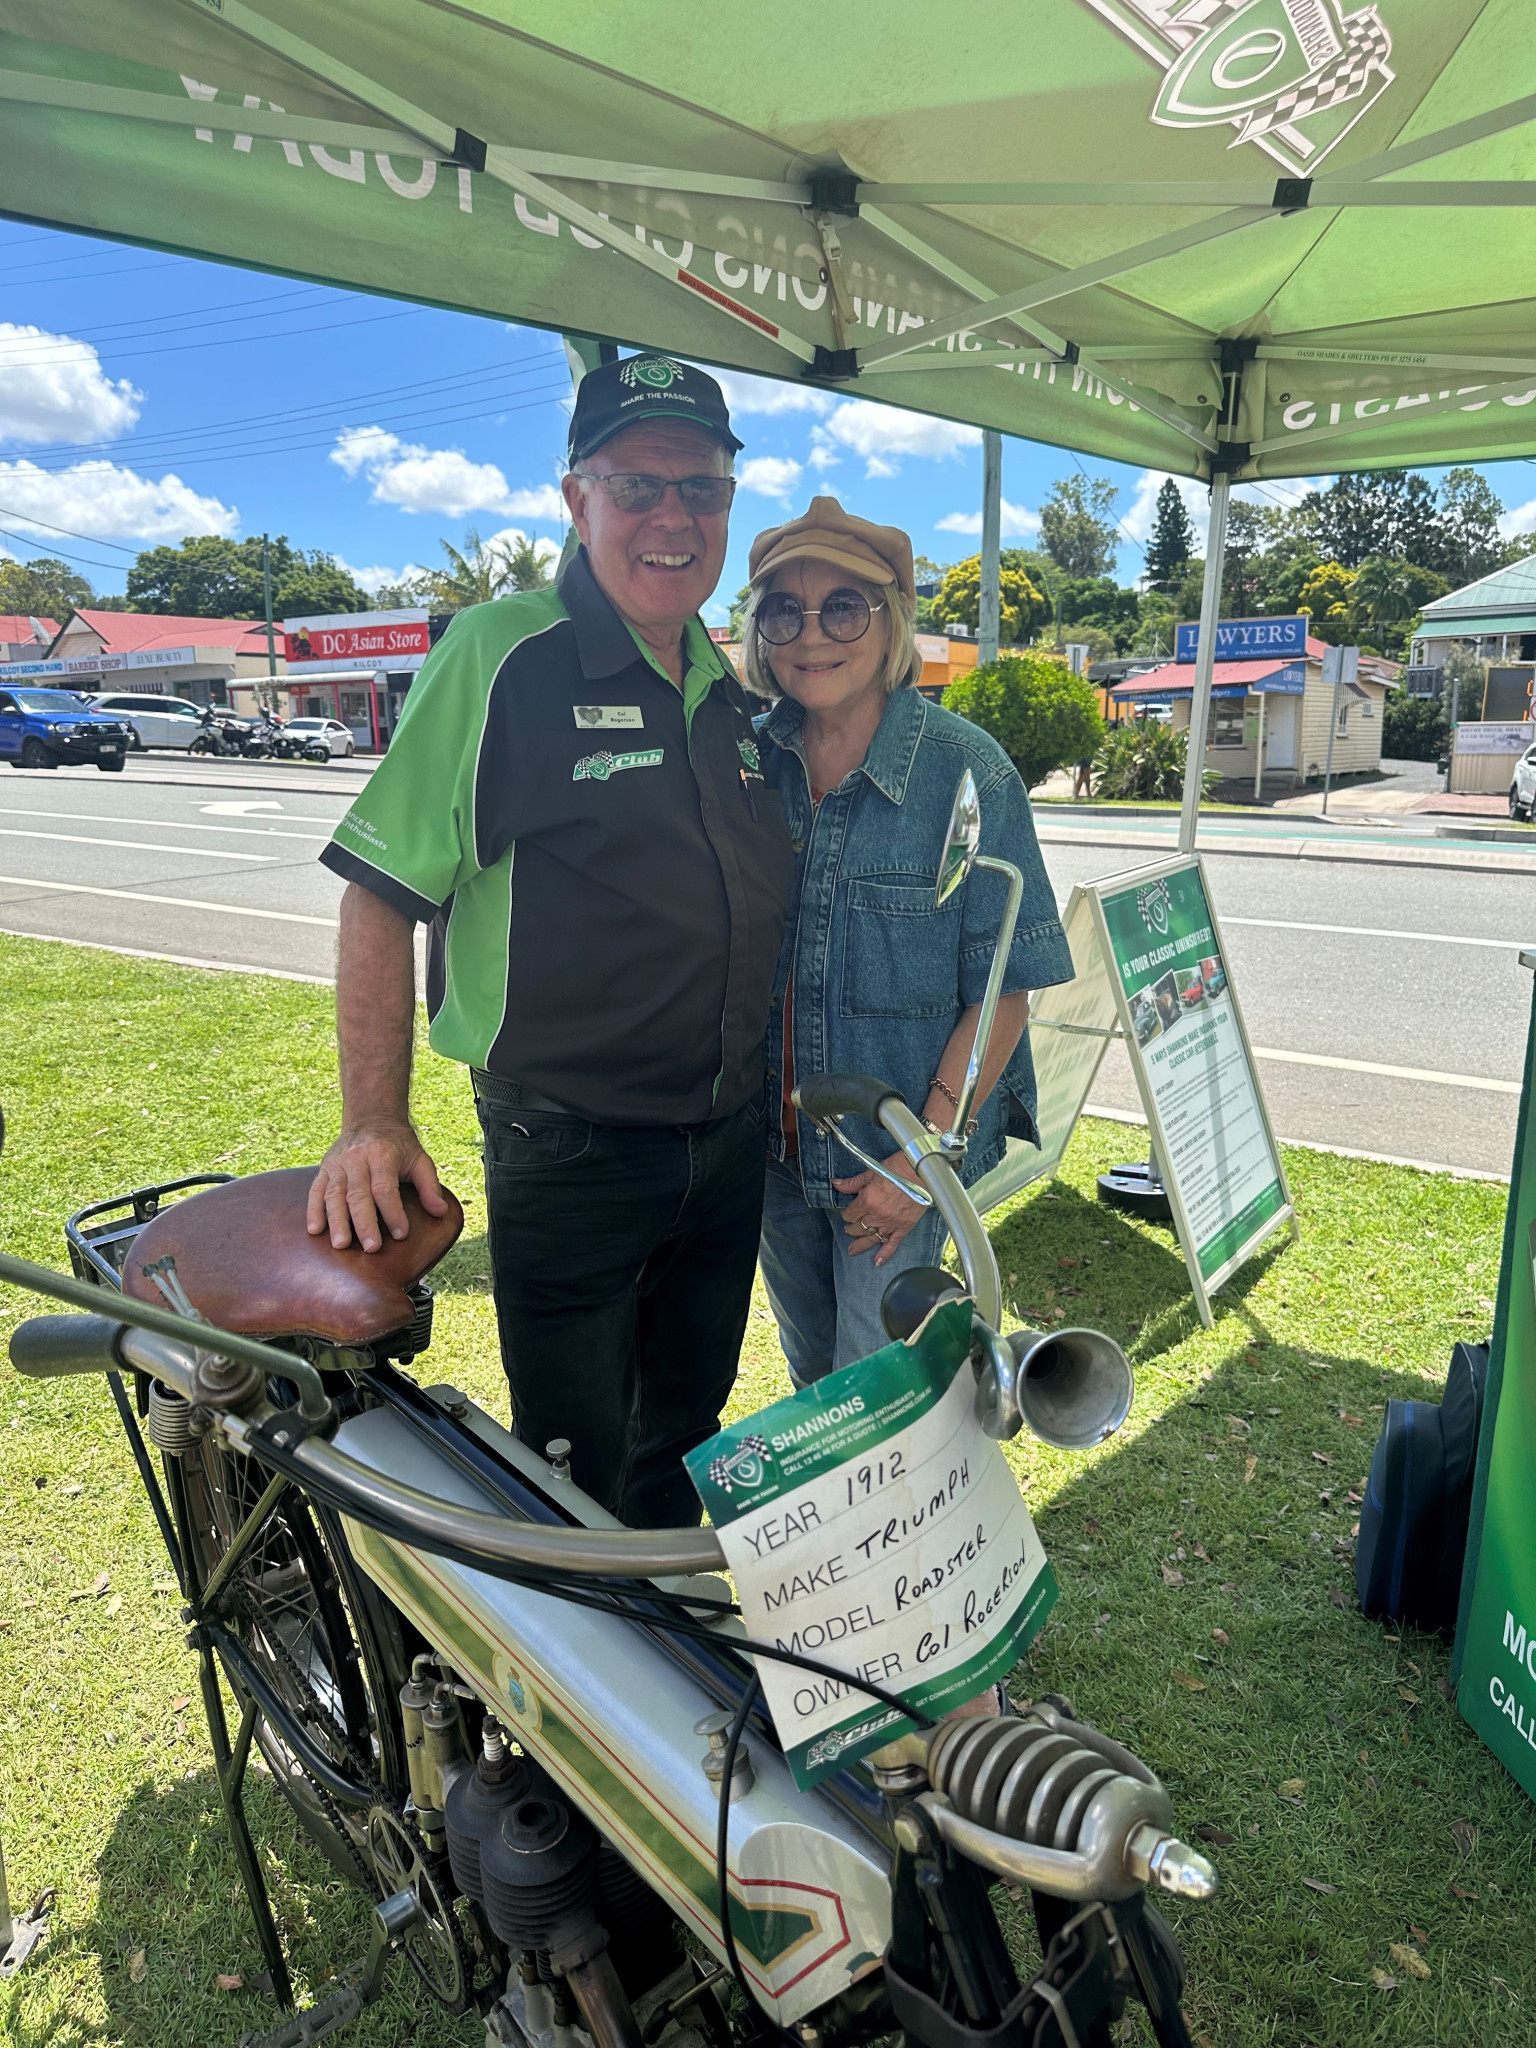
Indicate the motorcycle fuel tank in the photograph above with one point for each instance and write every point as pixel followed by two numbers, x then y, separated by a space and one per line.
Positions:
pixel 611 1718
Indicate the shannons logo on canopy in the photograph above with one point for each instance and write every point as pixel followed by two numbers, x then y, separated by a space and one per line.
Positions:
pixel 1293 76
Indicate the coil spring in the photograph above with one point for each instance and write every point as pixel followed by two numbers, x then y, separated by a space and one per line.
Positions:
pixel 170 1421
pixel 1019 1776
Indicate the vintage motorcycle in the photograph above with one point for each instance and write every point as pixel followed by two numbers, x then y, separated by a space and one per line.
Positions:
pixel 535 1736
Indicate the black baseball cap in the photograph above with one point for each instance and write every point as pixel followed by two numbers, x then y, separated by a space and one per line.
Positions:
pixel 646 387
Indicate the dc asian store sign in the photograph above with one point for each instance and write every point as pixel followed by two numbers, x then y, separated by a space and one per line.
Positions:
pixel 1247 639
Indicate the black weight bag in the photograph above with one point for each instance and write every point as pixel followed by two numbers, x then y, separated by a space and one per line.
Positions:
pixel 1413 1524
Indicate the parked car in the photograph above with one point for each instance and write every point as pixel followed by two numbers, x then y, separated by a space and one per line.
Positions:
pixel 337 737
pixel 53 728
pixel 157 721
pixel 1522 791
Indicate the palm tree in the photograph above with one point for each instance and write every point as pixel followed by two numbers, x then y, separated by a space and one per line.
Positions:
pixel 482 570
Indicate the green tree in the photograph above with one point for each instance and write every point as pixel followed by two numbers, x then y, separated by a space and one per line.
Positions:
pixel 1387 598
pixel 1414 728
pixel 1040 714
pixel 738 618
pixel 1328 594
pixel 1155 624
pixel 1470 510
pixel 1172 540
pixel 1080 535
pixel 482 570
pixel 211 578
pixel 1463 684
pixel 1389 512
pixel 44 588
pixel 959 597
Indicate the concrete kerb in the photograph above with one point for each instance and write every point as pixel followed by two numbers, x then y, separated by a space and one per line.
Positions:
pixel 1373 854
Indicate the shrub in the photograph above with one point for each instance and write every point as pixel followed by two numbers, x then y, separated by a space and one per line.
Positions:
pixel 1414 728
pixel 1040 714
pixel 1142 759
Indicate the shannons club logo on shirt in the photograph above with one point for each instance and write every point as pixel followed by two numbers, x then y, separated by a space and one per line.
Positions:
pixel 598 767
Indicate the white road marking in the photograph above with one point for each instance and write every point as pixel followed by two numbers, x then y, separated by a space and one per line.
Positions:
pixel 176 902
pixel 176 959
pixel 1135 1116
pixel 135 845
pixel 168 824
pixel 1367 931
pixel 240 810
pixel 1317 1059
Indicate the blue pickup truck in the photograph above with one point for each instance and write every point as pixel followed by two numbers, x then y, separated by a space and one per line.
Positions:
pixel 53 728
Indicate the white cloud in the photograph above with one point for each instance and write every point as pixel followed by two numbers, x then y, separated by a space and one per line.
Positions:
pixel 103 498
pixel 823 456
pixel 1018 522
pixel 53 389
pixel 541 501
pixel 883 434
pixel 771 476
pixel 1518 521
pixel 373 579
pixel 769 395
pixel 422 479
pixel 547 551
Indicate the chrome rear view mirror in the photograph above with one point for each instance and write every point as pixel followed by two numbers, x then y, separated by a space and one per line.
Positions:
pixel 962 840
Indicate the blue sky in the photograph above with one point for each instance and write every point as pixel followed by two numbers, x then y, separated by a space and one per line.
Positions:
pixel 145 397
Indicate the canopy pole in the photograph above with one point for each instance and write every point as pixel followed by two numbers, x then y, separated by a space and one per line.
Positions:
pixel 1205 656
pixel 989 619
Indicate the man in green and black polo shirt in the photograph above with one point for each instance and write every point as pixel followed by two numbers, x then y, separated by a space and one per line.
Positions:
pixel 573 802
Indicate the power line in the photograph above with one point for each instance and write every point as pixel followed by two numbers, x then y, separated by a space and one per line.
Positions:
pixel 89 560
pixel 84 276
pixel 10 512
pixel 184 443
pixel 138 355
pixel 85 336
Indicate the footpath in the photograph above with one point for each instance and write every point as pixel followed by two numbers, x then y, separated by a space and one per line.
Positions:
pixel 1400 842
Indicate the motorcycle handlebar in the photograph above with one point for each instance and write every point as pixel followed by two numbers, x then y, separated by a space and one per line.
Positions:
pixel 51 1347
pixel 823 1096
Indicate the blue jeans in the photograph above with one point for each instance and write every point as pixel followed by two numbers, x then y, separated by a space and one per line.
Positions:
pixel 827 1302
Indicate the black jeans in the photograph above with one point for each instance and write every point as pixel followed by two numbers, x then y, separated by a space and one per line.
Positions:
pixel 623 1260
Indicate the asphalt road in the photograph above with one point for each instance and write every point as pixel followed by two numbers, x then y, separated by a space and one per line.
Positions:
pixel 1343 970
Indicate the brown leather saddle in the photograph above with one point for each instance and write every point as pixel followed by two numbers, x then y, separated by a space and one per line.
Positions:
pixel 249 1265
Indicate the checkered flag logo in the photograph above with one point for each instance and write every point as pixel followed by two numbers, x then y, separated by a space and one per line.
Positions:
pixel 743 1467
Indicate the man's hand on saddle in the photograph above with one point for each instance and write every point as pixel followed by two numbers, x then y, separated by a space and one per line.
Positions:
pixel 357 1187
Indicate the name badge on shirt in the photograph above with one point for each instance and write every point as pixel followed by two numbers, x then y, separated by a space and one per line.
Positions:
pixel 592 716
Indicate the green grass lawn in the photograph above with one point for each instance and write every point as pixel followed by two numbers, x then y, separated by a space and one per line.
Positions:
pixel 1206 1614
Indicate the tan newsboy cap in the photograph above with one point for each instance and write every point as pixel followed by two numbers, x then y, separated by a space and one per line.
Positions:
pixel 826 533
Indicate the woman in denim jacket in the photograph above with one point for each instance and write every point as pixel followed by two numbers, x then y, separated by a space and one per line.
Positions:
pixel 873 977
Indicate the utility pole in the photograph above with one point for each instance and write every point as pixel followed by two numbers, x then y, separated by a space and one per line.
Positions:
pixel 1205 656
pixel 266 599
pixel 989 617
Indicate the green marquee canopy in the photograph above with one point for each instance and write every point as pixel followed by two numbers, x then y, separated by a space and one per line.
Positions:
pixel 1249 237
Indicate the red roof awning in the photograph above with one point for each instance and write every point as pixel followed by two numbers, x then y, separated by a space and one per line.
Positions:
pixel 1180 675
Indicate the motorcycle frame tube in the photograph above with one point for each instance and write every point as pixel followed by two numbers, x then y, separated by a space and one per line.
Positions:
pixel 609 1712
pixel 938 1176
pixel 567 1552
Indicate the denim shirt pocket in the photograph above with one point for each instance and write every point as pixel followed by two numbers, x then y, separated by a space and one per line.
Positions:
pixel 900 951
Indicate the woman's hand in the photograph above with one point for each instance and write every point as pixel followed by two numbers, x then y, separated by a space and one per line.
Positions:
pixel 878 1218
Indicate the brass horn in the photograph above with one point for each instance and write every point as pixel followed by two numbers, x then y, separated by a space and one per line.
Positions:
pixel 1074 1387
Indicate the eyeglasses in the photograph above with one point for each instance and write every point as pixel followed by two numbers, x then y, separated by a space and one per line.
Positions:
pixel 632 492
pixel 845 615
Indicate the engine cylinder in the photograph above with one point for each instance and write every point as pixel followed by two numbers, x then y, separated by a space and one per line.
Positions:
pixel 477 1801
pixel 538 1871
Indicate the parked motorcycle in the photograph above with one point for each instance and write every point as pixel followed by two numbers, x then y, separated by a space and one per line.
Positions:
pixel 537 1736
pixel 262 737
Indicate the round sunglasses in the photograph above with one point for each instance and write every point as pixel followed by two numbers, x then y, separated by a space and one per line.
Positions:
pixel 844 615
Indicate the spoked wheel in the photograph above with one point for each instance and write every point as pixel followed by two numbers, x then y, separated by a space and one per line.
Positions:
pixel 290 1601
pixel 436 1945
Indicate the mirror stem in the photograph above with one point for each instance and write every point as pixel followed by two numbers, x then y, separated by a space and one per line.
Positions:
pixel 992 996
